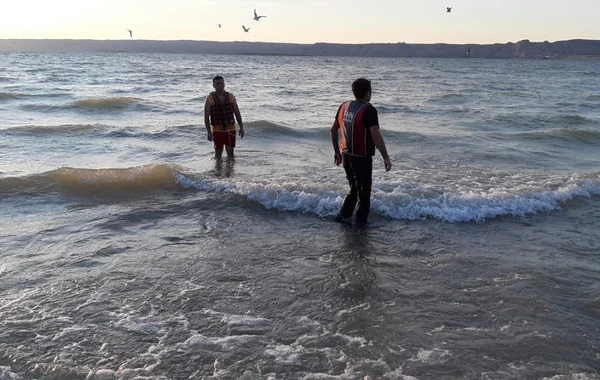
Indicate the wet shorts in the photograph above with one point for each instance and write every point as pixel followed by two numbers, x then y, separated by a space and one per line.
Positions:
pixel 226 138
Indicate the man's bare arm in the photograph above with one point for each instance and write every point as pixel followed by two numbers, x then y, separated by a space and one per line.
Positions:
pixel 206 119
pixel 333 132
pixel 238 117
pixel 380 144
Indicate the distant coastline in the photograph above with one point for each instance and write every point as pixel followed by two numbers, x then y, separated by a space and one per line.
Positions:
pixel 525 49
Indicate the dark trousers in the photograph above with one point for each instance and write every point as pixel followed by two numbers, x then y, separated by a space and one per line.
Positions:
pixel 359 172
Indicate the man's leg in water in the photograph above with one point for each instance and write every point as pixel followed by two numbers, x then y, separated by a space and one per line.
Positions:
pixel 350 199
pixel 363 170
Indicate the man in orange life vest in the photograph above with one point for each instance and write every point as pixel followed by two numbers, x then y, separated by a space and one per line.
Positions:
pixel 220 109
pixel 355 135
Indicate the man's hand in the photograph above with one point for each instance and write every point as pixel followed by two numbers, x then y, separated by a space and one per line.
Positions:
pixel 387 163
pixel 337 158
pixel 241 132
pixel 209 136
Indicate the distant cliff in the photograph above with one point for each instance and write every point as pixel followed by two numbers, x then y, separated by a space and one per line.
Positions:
pixel 578 49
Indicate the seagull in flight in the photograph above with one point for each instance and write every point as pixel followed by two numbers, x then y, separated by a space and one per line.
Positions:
pixel 448 9
pixel 130 33
pixel 256 16
pixel 245 29
pixel 219 25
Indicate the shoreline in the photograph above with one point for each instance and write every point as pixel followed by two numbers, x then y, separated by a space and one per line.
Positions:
pixel 525 49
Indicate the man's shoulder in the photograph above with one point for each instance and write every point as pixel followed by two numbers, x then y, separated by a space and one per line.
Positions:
pixel 370 108
pixel 341 107
pixel 229 96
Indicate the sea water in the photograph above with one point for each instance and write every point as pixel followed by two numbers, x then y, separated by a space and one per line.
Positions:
pixel 128 252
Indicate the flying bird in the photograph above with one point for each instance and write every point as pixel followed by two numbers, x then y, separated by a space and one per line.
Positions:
pixel 245 29
pixel 130 33
pixel 256 16
pixel 219 25
pixel 448 9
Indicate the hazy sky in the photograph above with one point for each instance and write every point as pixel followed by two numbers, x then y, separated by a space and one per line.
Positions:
pixel 304 21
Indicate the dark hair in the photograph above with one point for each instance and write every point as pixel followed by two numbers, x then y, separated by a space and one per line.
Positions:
pixel 218 77
pixel 360 87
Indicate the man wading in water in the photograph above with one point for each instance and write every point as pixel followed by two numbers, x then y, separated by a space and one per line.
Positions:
pixel 219 111
pixel 355 135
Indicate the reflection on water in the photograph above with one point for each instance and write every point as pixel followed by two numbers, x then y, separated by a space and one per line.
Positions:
pixel 356 270
pixel 224 167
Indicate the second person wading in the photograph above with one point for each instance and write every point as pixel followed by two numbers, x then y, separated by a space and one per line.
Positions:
pixel 220 109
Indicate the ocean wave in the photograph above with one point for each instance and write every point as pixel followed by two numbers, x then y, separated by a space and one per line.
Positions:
pixel 285 197
pixel 518 119
pixel 563 134
pixel 451 97
pixel 571 120
pixel 140 179
pixel 9 95
pixel 393 200
pixel 590 73
pixel 406 137
pixel 477 207
pixel 590 105
pixel 101 103
pixel 93 182
pixel 401 203
pixel 128 132
pixel 268 128
pixel 54 93
pixel 395 109
pixel 118 103
pixel 41 107
pixel 52 129
pixel 260 128
pixel 109 131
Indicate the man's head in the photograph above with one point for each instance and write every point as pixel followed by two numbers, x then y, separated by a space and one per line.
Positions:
pixel 361 88
pixel 218 83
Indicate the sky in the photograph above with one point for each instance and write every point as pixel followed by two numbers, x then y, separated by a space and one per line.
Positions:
pixel 304 21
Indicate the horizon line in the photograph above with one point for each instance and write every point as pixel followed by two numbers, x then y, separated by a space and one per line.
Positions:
pixel 293 43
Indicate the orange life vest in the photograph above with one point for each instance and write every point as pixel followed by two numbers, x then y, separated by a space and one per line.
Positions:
pixel 221 112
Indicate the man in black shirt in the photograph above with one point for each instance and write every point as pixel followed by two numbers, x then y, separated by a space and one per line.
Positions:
pixel 355 135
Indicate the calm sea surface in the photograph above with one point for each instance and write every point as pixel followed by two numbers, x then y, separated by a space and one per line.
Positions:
pixel 128 252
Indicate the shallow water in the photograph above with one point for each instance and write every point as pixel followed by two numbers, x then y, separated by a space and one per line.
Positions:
pixel 129 253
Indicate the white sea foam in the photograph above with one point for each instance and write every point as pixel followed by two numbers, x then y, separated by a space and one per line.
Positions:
pixel 151 324
pixel 574 376
pixel 69 331
pixel 362 306
pixel 404 203
pixel 244 320
pixel 434 356
pixel 102 374
pixel 227 342
pixel 7 374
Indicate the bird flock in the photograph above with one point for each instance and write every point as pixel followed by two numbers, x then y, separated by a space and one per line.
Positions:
pixel 245 28
pixel 257 17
